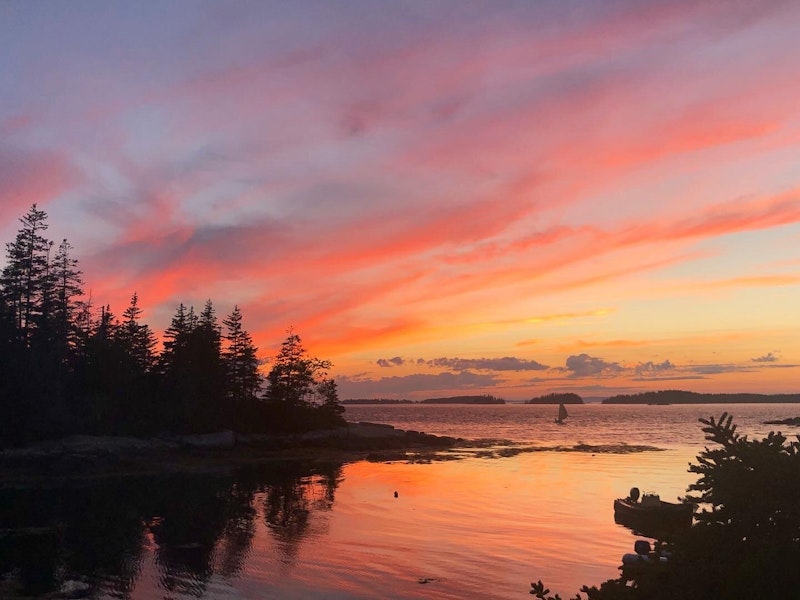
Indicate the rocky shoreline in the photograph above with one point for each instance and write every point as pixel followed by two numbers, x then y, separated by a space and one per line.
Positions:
pixel 93 456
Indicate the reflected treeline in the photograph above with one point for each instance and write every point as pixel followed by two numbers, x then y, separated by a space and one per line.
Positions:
pixel 195 526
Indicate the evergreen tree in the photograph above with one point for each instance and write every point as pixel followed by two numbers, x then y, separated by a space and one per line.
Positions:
pixel 176 336
pixel 299 392
pixel 132 343
pixel 293 376
pixel 14 413
pixel 175 389
pixel 207 371
pixel 67 288
pixel 241 361
pixel 193 385
pixel 136 338
pixel 330 409
pixel 24 279
pixel 101 375
pixel 27 290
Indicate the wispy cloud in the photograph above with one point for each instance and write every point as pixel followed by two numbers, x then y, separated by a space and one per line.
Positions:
pixel 506 363
pixel 600 312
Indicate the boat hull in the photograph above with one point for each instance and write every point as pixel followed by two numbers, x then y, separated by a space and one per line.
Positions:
pixel 657 520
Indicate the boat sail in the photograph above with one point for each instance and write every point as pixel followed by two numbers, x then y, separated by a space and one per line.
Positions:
pixel 562 414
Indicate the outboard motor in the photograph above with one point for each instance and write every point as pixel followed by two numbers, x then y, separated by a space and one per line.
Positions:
pixel 634 494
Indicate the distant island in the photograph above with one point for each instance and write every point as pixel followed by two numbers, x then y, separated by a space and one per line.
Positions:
pixel 375 401
pixel 566 398
pixel 795 421
pixel 684 397
pixel 485 399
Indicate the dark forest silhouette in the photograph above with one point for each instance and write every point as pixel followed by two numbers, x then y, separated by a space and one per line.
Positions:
pixel 68 366
pixel 684 397
pixel 555 398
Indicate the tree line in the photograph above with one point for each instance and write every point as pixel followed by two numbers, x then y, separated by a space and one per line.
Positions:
pixel 68 366
pixel 684 397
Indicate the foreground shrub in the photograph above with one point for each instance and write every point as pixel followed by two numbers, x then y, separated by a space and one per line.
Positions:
pixel 746 539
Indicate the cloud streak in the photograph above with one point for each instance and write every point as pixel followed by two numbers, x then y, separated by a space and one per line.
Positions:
pixel 506 363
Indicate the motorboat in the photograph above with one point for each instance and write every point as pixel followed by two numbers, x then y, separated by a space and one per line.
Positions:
pixel 650 514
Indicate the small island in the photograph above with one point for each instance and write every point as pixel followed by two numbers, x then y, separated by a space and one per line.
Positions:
pixel 565 398
pixel 358 401
pixel 485 399
pixel 793 421
pixel 684 397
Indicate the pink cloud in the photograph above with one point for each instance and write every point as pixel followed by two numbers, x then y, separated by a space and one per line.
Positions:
pixel 28 178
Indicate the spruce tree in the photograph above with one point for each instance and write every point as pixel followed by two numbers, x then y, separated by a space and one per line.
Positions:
pixel 23 280
pixel 192 385
pixel 102 376
pixel 174 372
pixel 207 371
pixel 299 392
pixel 243 380
pixel 67 288
pixel 136 338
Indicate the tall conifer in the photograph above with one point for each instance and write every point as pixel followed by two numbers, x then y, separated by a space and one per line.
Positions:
pixel 241 361
pixel 24 278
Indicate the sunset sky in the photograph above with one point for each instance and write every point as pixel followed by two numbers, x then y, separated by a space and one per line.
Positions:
pixel 442 198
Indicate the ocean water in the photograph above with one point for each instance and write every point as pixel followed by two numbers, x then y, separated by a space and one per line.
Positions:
pixel 480 527
pixel 668 426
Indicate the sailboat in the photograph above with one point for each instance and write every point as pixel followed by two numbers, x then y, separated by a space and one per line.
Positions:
pixel 562 414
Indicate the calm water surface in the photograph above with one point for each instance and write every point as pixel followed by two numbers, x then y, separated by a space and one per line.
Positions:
pixel 473 528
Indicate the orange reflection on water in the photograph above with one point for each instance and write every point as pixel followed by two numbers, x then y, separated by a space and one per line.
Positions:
pixel 480 528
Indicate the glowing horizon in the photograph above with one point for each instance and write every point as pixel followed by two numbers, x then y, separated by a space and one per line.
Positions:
pixel 511 198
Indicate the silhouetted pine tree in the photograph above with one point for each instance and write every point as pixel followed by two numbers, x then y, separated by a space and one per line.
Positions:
pixel 175 389
pixel 24 278
pixel 100 374
pixel 134 343
pixel 67 289
pixel 299 392
pixel 57 340
pixel 207 371
pixel 15 410
pixel 193 377
pixel 26 287
pixel 136 338
pixel 243 380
